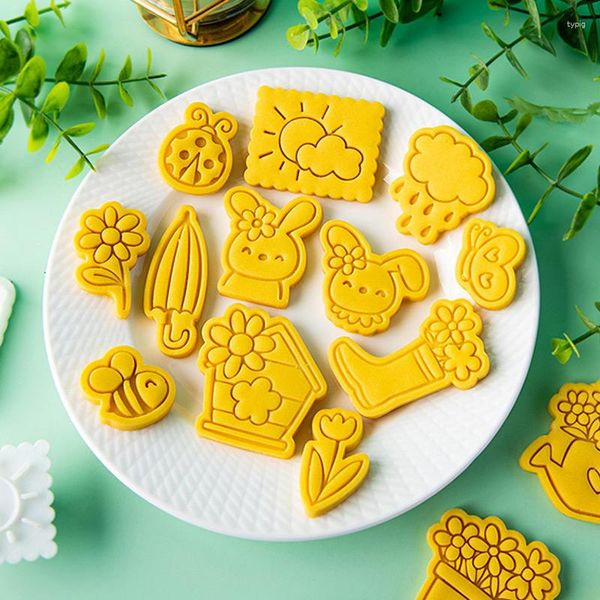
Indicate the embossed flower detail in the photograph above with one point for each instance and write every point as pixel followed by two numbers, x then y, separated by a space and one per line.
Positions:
pixel 239 342
pixel 533 581
pixel 578 407
pixel 348 260
pixel 254 401
pixel 113 233
pixel 257 222
pixel 453 541
pixel 450 325
pixel 462 360
pixel 337 427
pixel 492 551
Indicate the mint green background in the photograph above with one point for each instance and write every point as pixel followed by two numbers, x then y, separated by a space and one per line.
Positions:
pixel 112 543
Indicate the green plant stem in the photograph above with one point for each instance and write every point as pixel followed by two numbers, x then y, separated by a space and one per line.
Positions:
pixel 41 11
pixel 325 36
pixel 99 83
pixel 584 336
pixel 543 15
pixel 54 124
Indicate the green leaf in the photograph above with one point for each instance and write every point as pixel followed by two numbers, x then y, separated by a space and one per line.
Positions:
pixel 333 28
pixel 390 12
pixel 76 169
pixel 465 100
pixel 31 78
pixel 554 113
pixel 51 155
pixel 574 162
pixel 311 11
pixel 361 4
pixel 38 133
pixel 592 42
pixel 297 36
pixel 6 109
pixel 26 42
pixel 561 350
pixel 585 320
pixel 522 159
pixel 532 8
pixel 495 141
pixel 340 43
pixel 156 89
pixel 451 81
pixel 57 98
pixel 538 38
pixel 56 10
pixel 97 149
pixel 522 124
pixel 486 110
pixel 31 14
pixel 540 203
pixel 512 59
pixel 99 102
pixel 570 29
pixel 6 123
pixel 148 61
pixel 492 35
pixel 539 150
pixel 416 5
pixel 125 95
pixel 509 116
pixel 73 63
pixel 582 214
pixel 10 59
pixel 79 129
pixel 481 73
pixel 4 29
pixel 98 66
pixel 125 72
pixel 551 7
pixel 597 305
pixel 387 30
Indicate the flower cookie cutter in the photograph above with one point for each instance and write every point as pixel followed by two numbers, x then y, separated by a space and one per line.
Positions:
pixel 7 301
pixel 328 475
pixel 110 239
pixel 26 513
pixel 567 459
pixel 314 144
pixel 487 263
pixel 196 156
pixel 480 559
pixel 447 352
pixel 131 395
pixel 264 255
pixel 363 290
pixel 260 381
pixel 176 284
pixel 446 177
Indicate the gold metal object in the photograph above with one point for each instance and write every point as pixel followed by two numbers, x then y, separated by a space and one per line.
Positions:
pixel 201 22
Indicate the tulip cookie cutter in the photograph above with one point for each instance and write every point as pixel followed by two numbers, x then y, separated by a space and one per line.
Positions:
pixel 567 459
pixel 480 559
pixel 196 156
pixel 446 177
pixel 260 381
pixel 487 263
pixel 110 239
pixel 363 290
pixel 264 255
pixel 176 284
pixel 447 352
pixel 314 144
pixel 26 513
pixel 7 301
pixel 131 395
pixel 328 475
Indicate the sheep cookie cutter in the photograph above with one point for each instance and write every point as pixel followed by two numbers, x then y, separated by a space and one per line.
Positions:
pixel 264 255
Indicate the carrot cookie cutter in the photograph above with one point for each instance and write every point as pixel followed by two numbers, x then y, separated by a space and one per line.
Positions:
pixel 264 255
pixel 7 301
pixel 314 144
pixel 176 284
pixel 447 352
pixel 26 513
pixel 196 156
pixel 131 395
pixel 363 290
pixel 487 263
pixel 567 459
pixel 110 240
pixel 260 381
pixel 328 474
pixel 480 559
pixel 446 177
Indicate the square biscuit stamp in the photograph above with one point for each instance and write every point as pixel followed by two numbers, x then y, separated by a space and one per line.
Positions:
pixel 314 144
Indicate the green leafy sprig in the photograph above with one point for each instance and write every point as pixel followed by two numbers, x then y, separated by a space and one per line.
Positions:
pixel 23 82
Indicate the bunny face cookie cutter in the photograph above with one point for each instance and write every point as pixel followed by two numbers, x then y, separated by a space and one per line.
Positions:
pixel 363 290
pixel 264 255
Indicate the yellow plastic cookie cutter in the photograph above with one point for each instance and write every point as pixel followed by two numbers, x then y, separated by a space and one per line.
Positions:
pixel 260 381
pixel 176 284
pixel 446 177
pixel 110 239
pixel 480 559
pixel 447 352
pixel 131 395
pixel 328 475
pixel 363 290
pixel 487 263
pixel 567 459
pixel 264 255
pixel 314 144
pixel 196 156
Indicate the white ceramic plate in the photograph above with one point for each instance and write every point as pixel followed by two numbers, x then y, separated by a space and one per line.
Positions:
pixel 414 452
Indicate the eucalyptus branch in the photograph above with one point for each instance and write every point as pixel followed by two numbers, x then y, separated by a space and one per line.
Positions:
pixel 42 11
pixel 564 347
pixel 524 11
pixel 89 82
pixel 355 25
